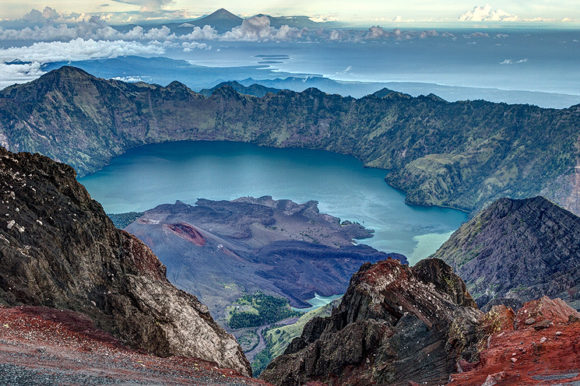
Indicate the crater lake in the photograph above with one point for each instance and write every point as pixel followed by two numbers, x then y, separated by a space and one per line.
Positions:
pixel 150 175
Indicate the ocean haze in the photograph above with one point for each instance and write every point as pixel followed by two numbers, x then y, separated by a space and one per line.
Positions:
pixel 512 65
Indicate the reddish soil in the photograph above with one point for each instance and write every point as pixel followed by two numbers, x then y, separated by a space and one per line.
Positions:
pixel 53 346
pixel 389 268
pixel 543 348
pixel 188 232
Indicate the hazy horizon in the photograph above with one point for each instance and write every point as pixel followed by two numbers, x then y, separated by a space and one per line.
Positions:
pixel 460 13
pixel 500 45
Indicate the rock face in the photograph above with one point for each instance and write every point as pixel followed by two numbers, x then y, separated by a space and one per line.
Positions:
pixel 221 250
pixel 462 155
pixel 59 249
pixel 538 345
pixel 394 324
pixel 517 250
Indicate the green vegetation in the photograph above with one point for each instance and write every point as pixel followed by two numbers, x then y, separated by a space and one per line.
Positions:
pixel 279 337
pixel 261 361
pixel 248 340
pixel 463 155
pixel 122 220
pixel 258 309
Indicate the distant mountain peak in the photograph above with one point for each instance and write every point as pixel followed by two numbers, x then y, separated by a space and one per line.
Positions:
pixel 223 13
pixel 70 70
pixel 65 76
pixel 388 93
pixel 221 20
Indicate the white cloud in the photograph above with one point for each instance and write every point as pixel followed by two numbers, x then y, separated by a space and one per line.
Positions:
pixel 376 32
pixel 130 79
pixel 205 33
pixel 486 13
pixel 78 49
pixel 189 46
pixel 323 19
pixel 511 61
pixel 257 28
pixel 18 73
pixel 32 57
pixel 335 35
pixel 476 35
pixel 94 29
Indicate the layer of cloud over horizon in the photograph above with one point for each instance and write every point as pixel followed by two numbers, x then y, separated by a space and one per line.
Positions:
pixel 49 25
pixel 368 11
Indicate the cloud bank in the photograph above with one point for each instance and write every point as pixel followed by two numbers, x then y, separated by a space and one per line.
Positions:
pixel 23 64
pixel 486 13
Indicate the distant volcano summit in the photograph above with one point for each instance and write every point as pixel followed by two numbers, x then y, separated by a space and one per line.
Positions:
pixel 221 20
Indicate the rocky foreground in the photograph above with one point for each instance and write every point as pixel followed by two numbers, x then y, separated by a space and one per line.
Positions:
pixel 463 155
pixel 40 345
pixel 398 324
pixel 59 249
pixel 540 344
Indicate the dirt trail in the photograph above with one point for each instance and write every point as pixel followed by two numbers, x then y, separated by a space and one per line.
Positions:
pixel 262 340
pixel 46 346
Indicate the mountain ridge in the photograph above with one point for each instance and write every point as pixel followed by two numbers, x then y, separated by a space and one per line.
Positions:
pixel 489 254
pixel 462 155
pixel 59 249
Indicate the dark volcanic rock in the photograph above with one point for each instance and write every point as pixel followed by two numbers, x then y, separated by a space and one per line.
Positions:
pixel 59 249
pixel 255 89
pixel 220 250
pixel 463 154
pixel 518 249
pixel 395 324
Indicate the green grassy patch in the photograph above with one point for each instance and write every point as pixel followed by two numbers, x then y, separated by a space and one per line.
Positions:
pixel 279 337
pixel 257 310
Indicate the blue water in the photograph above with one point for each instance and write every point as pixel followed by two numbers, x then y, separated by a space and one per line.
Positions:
pixel 163 173
pixel 318 301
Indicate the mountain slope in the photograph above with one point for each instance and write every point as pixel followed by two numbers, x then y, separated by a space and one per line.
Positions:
pixel 462 155
pixel 518 249
pixel 59 249
pixel 419 325
pixel 221 20
pixel 395 324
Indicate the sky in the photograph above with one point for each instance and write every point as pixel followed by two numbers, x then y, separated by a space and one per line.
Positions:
pixel 367 11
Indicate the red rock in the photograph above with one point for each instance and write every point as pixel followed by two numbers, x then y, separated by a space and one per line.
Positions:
pixel 544 311
pixel 539 360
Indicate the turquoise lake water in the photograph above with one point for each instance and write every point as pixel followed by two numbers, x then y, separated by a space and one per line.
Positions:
pixel 156 174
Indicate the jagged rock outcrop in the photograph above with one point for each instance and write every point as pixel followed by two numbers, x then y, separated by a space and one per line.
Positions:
pixel 538 345
pixel 515 251
pixel 462 155
pixel 59 249
pixel 395 324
